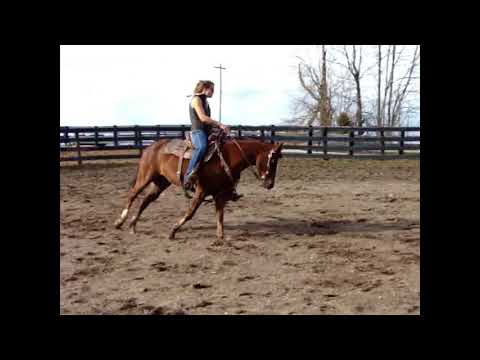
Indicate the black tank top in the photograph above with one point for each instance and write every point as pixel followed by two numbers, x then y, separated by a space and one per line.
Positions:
pixel 195 120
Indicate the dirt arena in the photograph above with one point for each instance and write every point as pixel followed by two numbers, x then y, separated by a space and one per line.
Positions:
pixel 332 237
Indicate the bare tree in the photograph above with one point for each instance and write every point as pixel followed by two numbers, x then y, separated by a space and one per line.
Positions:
pixel 390 86
pixel 390 107
pixel 402 88
pixel 386 107
pixel 341 94
pixel 355 71
pixel 315 104
pixel 336 84
pixel 388 83
pixel 379 83
pixel 325 108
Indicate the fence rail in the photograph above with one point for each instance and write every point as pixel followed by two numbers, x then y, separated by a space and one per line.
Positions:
pixel 299 141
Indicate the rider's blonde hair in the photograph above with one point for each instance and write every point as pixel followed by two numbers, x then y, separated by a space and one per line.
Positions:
pixel 202 85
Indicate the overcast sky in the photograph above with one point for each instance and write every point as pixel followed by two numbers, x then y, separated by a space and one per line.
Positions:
pixel 147 85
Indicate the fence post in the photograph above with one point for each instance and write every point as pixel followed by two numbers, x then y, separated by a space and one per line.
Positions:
pixel 137 142
pixel 325 143
pixel 402 136
pixel 95 129
pixel 158 131
pixel 262 132
pixel 382 141
pixel 351 142
pixel 115 136
pixel 310 134
pixel 239 132
pixel 79 153
pixel 272 133
pixel 67 143
pixel 183 131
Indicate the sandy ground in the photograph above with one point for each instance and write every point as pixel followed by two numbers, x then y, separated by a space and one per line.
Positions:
pixel 332 237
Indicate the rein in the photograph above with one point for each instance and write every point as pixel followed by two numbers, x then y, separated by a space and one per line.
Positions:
pixel 244 157
pixel 248 162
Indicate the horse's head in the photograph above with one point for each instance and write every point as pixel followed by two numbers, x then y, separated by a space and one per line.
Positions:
pixel 267 162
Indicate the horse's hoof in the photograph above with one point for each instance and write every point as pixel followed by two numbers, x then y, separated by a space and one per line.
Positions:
pixel 118 224
pixel 218 242
pixel 236 197
pixel 133 231
pixel 171 236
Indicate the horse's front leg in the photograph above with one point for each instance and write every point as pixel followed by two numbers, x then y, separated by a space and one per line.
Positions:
pixel 219 210
pixel 195 204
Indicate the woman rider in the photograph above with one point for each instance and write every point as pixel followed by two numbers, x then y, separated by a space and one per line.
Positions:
pixel 202 124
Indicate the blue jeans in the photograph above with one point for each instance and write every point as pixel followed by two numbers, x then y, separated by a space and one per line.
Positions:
pixel 199 140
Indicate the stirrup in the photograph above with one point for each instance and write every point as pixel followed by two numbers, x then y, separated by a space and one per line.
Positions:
pixel 189 185
pixel 236 196
pixel 190 182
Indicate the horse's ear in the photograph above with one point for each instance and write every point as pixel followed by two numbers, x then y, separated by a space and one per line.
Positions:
pixel 279 147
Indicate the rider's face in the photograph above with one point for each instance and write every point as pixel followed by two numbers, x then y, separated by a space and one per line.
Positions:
pixel 209 92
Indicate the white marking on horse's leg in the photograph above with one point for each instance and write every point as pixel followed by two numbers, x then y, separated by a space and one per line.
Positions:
pixel 121 219
pixel 133 229
pixel 133 221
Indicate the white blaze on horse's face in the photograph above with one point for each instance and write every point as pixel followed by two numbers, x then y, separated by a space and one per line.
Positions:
pixel 269 159
pixel 267 165
pixel 268 176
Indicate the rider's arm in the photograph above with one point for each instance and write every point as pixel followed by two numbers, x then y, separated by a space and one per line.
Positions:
pixel 197 105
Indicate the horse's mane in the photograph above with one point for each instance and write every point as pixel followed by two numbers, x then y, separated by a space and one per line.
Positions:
pixel 256 140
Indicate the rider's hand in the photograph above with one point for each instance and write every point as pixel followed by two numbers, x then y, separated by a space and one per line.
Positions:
pixel 225 128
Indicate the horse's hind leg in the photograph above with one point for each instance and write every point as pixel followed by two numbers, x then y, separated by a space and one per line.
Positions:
pixel 219 210
pixel 195 204
pixel 143 179
pixel 159 186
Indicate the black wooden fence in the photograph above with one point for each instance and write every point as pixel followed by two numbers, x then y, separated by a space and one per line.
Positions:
pixel 299 141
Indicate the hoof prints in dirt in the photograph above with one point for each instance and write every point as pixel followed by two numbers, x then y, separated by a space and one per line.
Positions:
pixel 332 229
pixel 163 310
pixel 244 278
pixel 131 306
pixel 229 263
pixel 162 266
pixel 372 285
pixel 203 303
pixel 247 247
pixel 201 286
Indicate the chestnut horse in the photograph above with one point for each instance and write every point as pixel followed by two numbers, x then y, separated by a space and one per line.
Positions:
pixel 160 169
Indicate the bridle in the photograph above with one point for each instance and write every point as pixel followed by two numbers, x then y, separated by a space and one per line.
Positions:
pixel 270 155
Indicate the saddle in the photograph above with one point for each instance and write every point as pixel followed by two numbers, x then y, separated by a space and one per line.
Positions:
pixel 183 148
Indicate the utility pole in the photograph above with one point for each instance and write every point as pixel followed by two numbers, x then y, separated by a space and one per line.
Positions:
pixel 220 107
